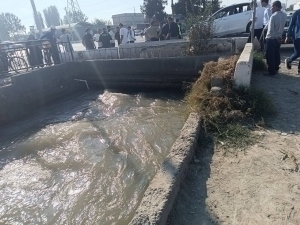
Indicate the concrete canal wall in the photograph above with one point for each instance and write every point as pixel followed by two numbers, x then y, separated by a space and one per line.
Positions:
pixel 42 86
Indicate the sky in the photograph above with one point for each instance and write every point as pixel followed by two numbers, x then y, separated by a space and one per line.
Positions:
pixel 101 9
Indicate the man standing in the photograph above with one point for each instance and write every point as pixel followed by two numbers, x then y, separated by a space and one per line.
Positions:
pixel 131 36
pixel 144 33
pixel 51 37
pixel 112 34
pixel 173 29
pixel 117 35
pixel 179 27
pixel 164 31
pixel 105 39
pixel 123 34
pixel 258 24
pixel 294 34
pixel 87 40
pixel 96 37
pixel 267 15
pixel 274 38
pixel 65 40
pixel 152 32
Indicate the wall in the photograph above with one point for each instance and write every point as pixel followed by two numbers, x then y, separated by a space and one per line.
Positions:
pixel 35 89
pixel 143 73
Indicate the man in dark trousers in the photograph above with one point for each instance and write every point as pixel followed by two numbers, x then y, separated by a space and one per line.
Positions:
pixel 274 38
pixel 164 31
pixel 51 37
pixel 87 40
pixel 294 34
pixel 105 39
pixel 173 29
pixel 258 24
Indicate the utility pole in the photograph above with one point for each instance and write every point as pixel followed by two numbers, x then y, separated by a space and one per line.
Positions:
pixel 36 18
pixel 253 20
pixel 172 6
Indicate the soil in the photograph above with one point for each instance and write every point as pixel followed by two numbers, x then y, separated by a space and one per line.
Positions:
pixel 259 185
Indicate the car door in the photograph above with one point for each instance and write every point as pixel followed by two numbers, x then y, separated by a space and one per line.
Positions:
pixel 239 18
pixel 221 21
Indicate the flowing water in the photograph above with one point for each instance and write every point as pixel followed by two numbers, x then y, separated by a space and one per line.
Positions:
pixel 86 160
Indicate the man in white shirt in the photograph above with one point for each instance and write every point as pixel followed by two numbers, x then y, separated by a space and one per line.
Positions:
pixel 131 35
pixel 274 38
pixel 267 16
pixel 112 34
pixel 258 24
pixel 123 34
pixel 96 38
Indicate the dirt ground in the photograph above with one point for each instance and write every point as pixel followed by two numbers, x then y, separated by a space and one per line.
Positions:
pixel 260 185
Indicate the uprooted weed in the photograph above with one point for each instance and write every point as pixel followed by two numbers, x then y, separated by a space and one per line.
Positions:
pixel 229 116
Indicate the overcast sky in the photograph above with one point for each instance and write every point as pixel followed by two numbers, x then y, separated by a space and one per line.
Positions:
pixel 101 9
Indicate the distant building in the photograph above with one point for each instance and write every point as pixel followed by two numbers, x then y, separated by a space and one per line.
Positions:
pixel 128 19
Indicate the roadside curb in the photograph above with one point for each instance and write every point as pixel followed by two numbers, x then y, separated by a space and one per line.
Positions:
pixel 161 193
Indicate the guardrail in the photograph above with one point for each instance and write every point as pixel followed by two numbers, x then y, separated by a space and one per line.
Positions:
pixel 17 57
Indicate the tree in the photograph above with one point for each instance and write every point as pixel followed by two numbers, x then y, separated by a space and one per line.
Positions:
pixel 99 23
pixel 154 8
pixel 75 17
pixel 40 18
pixel 10 24
pixel 52 16
pixel 290 8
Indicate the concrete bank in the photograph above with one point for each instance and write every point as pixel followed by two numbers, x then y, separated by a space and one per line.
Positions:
pixel 36 89
pixel 143 73
pixel 162 191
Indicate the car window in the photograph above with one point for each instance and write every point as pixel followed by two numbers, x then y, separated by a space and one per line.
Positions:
pixel 223 13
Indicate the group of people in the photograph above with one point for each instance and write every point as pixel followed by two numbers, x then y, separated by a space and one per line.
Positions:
pixel 269 23
pixel 106 37
pixel 163 31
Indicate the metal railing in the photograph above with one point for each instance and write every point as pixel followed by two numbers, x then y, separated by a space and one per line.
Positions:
pixel 18 57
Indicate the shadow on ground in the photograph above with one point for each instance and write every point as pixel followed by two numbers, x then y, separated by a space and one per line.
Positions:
pixel 190 206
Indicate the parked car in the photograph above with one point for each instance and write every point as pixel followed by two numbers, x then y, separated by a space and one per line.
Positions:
pixel 233 19
pixel 137 32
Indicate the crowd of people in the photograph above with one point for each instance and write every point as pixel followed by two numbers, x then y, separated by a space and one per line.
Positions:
pixel 269 23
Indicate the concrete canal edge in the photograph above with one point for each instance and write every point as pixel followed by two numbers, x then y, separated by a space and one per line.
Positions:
pixel 161 193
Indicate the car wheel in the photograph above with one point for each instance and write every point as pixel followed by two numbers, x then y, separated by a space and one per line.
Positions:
pixel 248 27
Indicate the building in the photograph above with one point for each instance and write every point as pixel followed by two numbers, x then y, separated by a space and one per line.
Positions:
pixel 128 19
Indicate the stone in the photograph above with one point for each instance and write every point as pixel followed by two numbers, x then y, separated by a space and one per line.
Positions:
pixel 217 91
pixel 216 81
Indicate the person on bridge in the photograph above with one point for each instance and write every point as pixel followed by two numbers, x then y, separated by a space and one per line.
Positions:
pixel 131 35
pixel 117 35
pixel 105 39
pixel 258 24
pixel 87 40
pixel 123 34
pixel 152 32
pixel 51 37
pixel 294 34
pixel 112 34
pixel 274 38
pixel 173 29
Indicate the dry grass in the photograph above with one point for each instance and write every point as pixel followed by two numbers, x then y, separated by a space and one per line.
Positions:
pixel 228 117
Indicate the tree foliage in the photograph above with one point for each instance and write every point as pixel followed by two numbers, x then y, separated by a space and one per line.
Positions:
pixel 52 16
pixel 41 20
pixel 154 8
pixel 99 23
pixel 10 24
pixel 185 7
pixel 75 17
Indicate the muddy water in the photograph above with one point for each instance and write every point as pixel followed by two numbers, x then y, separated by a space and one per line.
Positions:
pixel 86 160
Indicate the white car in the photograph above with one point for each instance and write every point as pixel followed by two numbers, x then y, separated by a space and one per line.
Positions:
pixel 233 19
